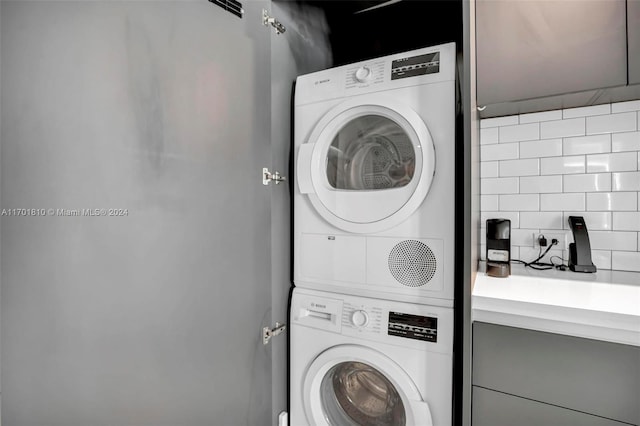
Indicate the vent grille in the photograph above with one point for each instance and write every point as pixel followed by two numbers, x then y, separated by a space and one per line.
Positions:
pixel 232 6
pixel 412 263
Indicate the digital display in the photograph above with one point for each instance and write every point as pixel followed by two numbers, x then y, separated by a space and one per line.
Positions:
pixel 415 65
pixel 413 326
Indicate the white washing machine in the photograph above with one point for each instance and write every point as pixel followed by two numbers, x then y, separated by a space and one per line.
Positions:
pixel 364 361
pixel 374 193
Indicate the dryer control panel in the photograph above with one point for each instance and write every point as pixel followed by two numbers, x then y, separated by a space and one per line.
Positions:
pixel 415 65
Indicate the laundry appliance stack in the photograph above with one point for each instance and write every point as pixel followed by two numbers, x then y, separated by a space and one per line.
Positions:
pixel 372 310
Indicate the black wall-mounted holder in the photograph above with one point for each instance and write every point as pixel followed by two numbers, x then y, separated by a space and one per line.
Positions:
pixel 580 249
pixel 498 247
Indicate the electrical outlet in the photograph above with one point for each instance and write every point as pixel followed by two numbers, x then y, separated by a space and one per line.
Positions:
pixel 562 238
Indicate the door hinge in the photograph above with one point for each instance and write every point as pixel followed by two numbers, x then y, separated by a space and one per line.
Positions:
pixel 268 332
pixel 267 177
pixel 269 20
pixel 283 419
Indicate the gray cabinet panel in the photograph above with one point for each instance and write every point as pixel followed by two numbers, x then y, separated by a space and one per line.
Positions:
pixel 595 377
pixel 150 318
pixel 633 28
pixel 498 409
pixel 530 49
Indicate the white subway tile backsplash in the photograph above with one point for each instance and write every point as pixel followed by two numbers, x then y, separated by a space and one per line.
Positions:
pixel 523 237
pixel 508 151
pixel 563 128
pixel 596 221
pixel 489 135
pixel 538 169
pixel 489 169
pixel 618 162
pixel 586 111
pixel 625 181
pixel 586 144
pixel 601 258
pixel 562 165
pixel 613 240
pixel 541 148
pixel 528 254
pixel 625 141
pixel 612 201
pixel 587 182
pixel 515 252
pixel 514 217
pixel 529 167
pixel 625 261
pixel 541 220
pixel 519 202
pixel 626 221
pixel 625 106
pixel 555 202
pixel 540 116
pixel 520 132
pixel 499 186
pixel 622 122
pixel 499 121
pixel 489 202
pixel 540 184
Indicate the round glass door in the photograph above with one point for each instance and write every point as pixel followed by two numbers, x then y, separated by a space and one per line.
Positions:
pixel 357 394
pixel 370 164
pixel 370 153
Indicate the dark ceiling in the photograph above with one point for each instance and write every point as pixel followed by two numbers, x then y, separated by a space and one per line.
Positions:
pixel 397 27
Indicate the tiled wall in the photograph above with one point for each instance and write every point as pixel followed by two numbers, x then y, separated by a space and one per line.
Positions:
pixel 538 169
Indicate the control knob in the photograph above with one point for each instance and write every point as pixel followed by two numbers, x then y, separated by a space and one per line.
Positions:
pixel 363 74
pixel 360 318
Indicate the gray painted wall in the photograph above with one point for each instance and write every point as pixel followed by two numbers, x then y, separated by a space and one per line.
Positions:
pixel 152 318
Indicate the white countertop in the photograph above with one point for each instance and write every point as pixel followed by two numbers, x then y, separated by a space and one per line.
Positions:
pixel 603 306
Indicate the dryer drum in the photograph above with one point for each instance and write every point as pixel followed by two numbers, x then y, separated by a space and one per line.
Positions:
pixel 370 152
pixel 412 263
pixel 357 394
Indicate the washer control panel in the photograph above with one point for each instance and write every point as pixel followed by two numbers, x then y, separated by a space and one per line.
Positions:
pixel 364 318
pixel 413 326
pixel 415 65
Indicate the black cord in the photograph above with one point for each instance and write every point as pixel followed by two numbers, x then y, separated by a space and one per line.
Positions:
pixel 561 266
pixel 535 264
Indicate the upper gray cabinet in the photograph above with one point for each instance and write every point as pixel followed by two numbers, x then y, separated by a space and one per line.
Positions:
pixel 633 27
pixel 530 49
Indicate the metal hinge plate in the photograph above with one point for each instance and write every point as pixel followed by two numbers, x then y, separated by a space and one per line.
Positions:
pixel 268 177
pixel 268 332
pixel 269 20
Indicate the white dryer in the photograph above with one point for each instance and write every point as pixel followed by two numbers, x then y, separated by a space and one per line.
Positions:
pixel 363 361
pixel 374 193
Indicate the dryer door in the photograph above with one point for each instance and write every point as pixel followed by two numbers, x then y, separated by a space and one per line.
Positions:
pixel 357 386
pixel 368 164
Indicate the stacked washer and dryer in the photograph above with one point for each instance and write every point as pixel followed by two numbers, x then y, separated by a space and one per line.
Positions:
pixel 371 317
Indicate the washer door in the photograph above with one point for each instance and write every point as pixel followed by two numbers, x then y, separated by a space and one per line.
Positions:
pixel 353 385
pixel 368 165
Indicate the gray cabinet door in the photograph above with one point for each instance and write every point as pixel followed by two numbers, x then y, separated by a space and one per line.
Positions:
pixel 633 28
pixel 591 376
pixel 149 314
pixel 530 49
pixel 492 408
